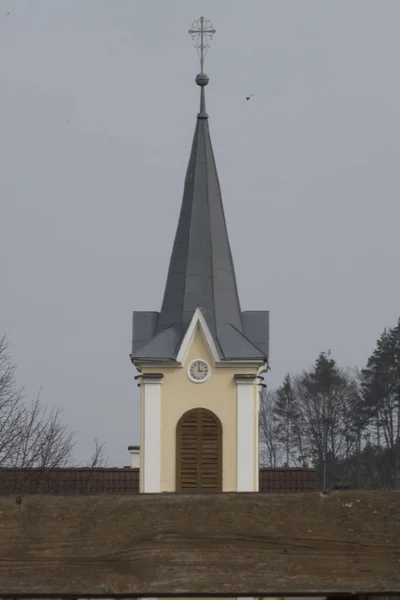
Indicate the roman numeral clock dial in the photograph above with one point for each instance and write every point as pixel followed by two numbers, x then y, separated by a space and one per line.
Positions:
pixel 198 370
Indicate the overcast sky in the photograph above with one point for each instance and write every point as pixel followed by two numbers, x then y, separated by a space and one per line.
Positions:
pixel 98 107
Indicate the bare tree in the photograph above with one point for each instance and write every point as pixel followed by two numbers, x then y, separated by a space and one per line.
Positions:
pixel 269 447
pixel 31 435
pixel 98 458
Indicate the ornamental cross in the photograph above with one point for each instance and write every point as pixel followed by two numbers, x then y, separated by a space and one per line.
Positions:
pixel 202 31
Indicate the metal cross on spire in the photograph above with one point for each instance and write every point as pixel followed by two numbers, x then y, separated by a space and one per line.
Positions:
pixel 202 31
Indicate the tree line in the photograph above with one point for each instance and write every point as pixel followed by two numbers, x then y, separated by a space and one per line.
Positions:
pixel 343 422
pixel 32 434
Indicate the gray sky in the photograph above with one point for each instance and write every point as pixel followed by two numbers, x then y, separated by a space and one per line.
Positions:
pixel 98 108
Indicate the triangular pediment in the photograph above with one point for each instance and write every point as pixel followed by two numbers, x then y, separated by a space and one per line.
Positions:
pixel 198 324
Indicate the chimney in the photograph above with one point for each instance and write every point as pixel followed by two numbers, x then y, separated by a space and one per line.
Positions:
pixel 135 456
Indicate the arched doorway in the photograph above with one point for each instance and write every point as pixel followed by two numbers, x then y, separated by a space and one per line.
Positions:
pixel 199 452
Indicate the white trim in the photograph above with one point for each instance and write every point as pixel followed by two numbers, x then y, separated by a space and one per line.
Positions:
pixel 152 435
pixel 240 364
pixel 198 321
pixel 226 364
pixel 246 440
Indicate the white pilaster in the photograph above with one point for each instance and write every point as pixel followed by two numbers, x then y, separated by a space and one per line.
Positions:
pixel 151 444
pixel 247 452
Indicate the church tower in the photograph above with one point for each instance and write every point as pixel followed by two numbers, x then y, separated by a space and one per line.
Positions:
pixel 200 358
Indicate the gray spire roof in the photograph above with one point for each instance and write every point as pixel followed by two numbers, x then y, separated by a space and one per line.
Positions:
pixel 201 271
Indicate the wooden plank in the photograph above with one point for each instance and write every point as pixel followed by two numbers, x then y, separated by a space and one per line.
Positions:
pixel 203 545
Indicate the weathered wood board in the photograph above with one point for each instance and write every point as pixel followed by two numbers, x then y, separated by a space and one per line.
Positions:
pixel 181 545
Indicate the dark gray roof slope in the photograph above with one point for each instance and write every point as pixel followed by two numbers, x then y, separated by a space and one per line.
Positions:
pixel 201 272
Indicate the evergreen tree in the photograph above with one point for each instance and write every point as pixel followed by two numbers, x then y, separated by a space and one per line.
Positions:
pixel 345 424
pixel 381 394
pixel 325 394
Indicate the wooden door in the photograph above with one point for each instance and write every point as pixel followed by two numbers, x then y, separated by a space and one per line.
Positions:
pixel 199 452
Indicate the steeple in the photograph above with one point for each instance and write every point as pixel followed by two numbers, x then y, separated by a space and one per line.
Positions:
pixel 201 273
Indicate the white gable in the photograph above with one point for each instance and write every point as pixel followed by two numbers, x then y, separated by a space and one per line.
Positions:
pixel 198 322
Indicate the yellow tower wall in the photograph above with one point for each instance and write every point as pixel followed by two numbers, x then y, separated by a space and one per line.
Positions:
pixel 218 394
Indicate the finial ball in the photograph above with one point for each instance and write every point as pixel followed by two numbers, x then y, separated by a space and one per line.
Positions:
pixel 202 79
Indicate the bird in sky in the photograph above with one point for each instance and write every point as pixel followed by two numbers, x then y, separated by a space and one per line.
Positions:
pixel 248 97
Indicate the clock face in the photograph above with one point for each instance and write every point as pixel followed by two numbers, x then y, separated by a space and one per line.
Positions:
pixel 198 370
